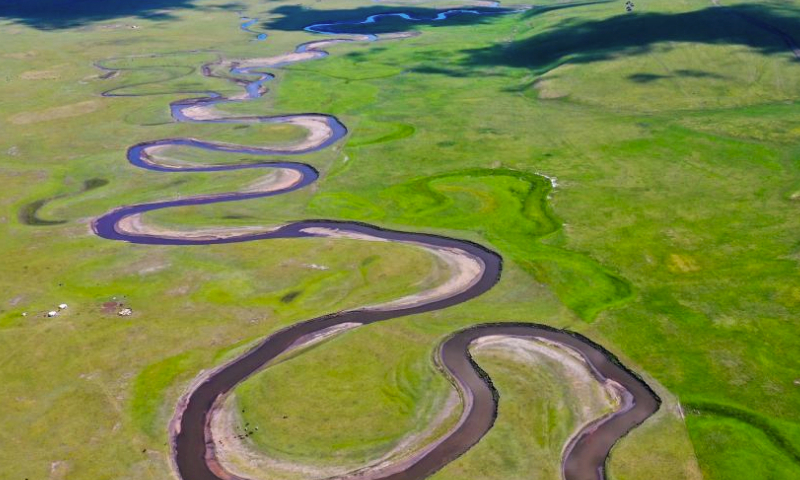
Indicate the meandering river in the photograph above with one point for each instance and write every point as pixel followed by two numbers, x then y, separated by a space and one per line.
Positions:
pixel 477 269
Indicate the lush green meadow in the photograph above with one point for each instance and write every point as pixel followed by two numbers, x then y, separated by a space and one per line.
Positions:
pixel 670 235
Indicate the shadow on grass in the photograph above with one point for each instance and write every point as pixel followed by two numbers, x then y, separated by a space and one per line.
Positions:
pixel 60 14
pixel 295 17
pixel 685 73
pixel 585 41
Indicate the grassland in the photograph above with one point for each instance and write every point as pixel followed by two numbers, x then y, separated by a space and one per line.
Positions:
pixel 670 237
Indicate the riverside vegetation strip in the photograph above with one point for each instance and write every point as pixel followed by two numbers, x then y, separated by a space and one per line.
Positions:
pixel 675 162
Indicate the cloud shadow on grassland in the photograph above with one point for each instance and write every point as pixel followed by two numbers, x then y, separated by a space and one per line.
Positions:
pixel 583 41
pixel 295 17
pixel 61 14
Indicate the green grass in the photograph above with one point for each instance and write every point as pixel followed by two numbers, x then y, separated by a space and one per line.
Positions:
pixel 787 444
pixel 670 238
pixel 509 209
pixel 149 392
pixel 315 428
pixel 745 447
